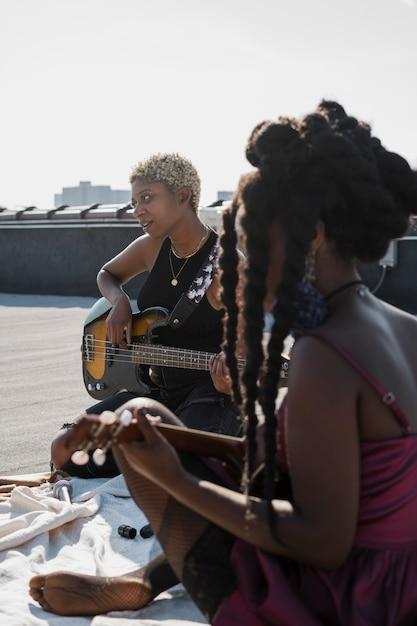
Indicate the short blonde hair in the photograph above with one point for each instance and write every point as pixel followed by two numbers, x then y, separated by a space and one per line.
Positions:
pixel 172 169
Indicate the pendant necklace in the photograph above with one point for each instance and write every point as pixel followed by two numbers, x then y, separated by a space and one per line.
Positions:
pixel 174 280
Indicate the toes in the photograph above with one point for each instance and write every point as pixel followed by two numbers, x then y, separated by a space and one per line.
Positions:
pixel 37 582
pixel 44 604
pixel 36 594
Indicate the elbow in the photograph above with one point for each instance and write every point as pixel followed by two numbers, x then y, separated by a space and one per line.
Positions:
pixel 105 279
pixel 330 551
pixel 323 546
pixel 101 274
pixel 330 560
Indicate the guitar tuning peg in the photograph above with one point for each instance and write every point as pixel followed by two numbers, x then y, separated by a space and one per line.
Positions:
pixel 117 429
pixel 101 452
pixel 107 418
pixel 80 457
pixel 126 417
pixel 99 456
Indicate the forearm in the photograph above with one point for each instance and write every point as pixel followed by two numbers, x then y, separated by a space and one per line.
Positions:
pixel 298 539
pixel 228 509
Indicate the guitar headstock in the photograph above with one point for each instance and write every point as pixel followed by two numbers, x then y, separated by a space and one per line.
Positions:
pixel 96 434
pixel 99 433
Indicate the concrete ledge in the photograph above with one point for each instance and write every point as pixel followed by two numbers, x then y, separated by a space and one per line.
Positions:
pixel 52 257
pixel 59 251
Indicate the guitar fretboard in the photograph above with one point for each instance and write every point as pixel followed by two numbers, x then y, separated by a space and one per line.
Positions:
pixel 150 354
pixel 173 357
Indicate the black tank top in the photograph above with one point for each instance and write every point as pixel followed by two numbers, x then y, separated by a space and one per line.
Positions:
pixel 201 331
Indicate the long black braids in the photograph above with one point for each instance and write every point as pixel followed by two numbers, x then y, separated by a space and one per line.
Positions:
pixel 256 223
pixel 254 293
pixel 284 313
pixel 229 277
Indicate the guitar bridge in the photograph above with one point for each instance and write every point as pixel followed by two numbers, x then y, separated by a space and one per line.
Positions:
pixel 89 347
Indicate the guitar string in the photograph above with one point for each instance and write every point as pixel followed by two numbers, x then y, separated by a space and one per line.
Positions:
pixel 195 366
pixel 146 345
pixel 127 358
pixel 184 361
pixel 151 348
pixel 182 365
pixel 130 355
pixel 151 354
pixel 137 357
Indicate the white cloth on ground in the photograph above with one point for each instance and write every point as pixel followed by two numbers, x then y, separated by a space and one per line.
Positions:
pixel 41 534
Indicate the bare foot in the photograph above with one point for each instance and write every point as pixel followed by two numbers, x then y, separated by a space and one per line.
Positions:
pixel 77 594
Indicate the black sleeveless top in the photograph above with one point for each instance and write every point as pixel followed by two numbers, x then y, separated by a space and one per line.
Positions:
pixel 201 331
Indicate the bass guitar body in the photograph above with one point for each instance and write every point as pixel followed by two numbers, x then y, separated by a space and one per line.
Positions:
pixel 108 369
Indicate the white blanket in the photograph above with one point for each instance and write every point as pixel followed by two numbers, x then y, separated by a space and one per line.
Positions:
pixel 40 534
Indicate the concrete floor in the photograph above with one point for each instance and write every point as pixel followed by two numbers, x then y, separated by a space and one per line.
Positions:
pixel 40 375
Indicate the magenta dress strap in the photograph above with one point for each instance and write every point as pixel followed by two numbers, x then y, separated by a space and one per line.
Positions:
pixel 387 397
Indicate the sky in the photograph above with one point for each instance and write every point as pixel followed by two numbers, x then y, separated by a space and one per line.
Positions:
pixel 89 87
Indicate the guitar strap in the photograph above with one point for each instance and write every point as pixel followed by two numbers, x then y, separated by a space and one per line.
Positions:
pixel 192 297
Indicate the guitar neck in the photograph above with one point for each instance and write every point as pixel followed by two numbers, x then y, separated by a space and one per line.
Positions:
pixel 165 356
pixel 200 443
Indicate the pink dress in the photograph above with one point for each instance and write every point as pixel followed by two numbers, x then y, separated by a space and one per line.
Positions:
pixel 377 584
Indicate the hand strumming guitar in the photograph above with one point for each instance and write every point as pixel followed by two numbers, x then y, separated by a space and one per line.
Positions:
pixel 119 322
pixel 153 457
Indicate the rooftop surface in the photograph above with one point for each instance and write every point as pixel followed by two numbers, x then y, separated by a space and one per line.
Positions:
pixel 40 375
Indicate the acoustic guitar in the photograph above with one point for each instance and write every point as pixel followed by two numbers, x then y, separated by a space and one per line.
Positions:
pixel 93 435
pixel 108 369
pixel 97 433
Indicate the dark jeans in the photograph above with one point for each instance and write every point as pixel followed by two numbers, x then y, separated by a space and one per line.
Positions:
pixel 204 408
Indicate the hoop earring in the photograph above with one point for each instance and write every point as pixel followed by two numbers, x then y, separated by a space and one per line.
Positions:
pixel 311 305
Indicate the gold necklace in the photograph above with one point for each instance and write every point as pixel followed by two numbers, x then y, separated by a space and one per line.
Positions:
pixel 200 243
pixel 174 279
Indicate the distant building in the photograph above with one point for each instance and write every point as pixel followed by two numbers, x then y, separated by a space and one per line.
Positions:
pixel 224 195
pixel 86 194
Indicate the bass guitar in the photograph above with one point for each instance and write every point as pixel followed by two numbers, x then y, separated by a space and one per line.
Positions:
pixel 108 369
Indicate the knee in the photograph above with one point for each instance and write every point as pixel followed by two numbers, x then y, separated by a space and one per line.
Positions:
pixel 153 407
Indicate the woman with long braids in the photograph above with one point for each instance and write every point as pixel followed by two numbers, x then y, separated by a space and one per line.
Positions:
pixel 341 548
